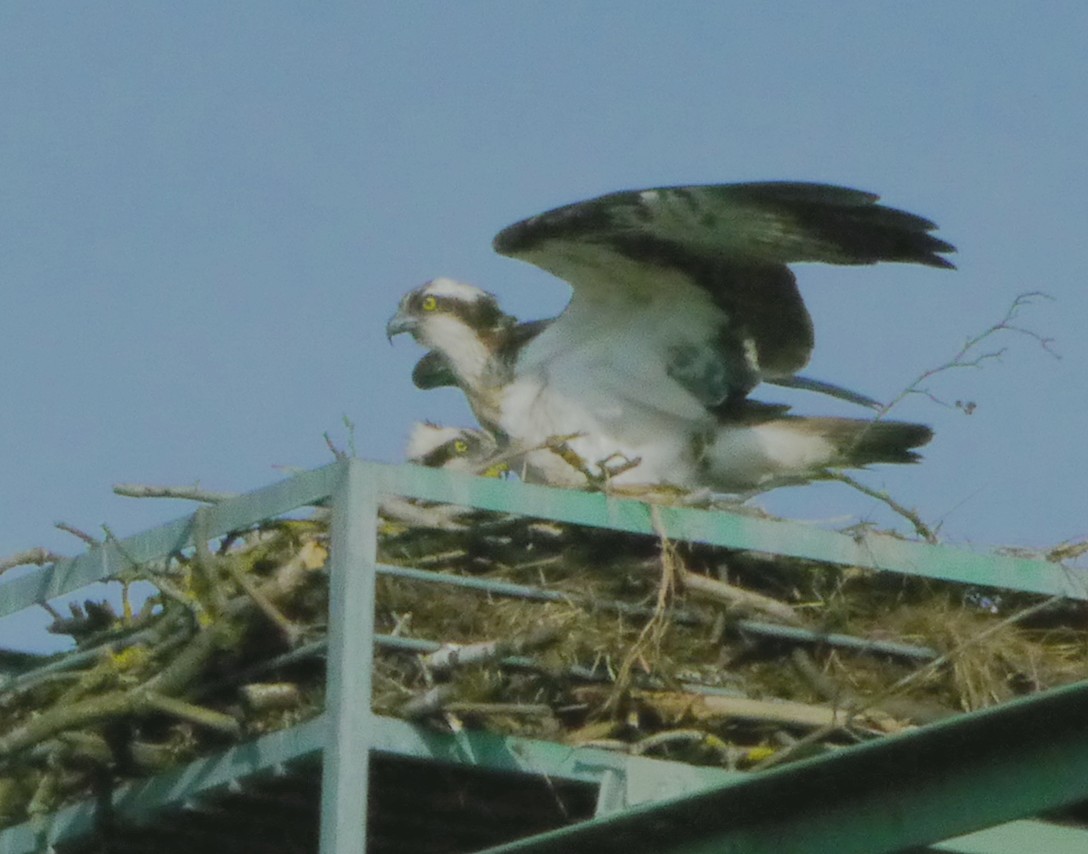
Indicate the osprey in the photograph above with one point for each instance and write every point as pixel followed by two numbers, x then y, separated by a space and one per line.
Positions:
pixel 433 369
pixel 455 448
pixel 682 304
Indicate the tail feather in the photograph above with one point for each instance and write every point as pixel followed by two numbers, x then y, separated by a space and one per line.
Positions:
pixel 763 445
pixel 862 443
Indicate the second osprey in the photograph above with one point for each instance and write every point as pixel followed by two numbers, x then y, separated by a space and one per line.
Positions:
pixel 682 304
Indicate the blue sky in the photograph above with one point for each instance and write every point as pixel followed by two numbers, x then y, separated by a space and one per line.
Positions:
pixel 208 211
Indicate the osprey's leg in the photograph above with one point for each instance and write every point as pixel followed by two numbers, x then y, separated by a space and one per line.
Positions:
pixel 601 473
pixel 616 464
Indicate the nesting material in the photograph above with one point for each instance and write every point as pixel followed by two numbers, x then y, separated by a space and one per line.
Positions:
pixel 568 634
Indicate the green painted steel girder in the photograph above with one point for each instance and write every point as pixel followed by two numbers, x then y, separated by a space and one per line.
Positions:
pixel 904 791
pixel 716 527
pixel 346 768
pixel 1018 837
pixel 734 530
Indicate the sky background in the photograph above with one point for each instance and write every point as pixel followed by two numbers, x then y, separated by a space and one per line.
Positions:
pixel 208 211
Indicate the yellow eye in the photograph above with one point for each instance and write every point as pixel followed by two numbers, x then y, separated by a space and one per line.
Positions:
pixel 430 303
pixel 460 446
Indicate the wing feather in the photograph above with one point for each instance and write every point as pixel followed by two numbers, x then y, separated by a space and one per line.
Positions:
pixel 733 242
pixel 770 222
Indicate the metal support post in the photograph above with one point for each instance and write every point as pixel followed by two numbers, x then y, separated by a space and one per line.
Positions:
pixel 350 654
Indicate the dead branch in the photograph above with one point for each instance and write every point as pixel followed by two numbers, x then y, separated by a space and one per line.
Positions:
pixel 921 673
pixel 30 557
pixel 969 357
pixel 428 703
pixel 340 455
pixel 679 707
pixel 653 632
pixel 921 528
pixel 199 715
pixel 76 532
pixel 452 656
pixel 711 589
pixel 188 493
pixel 172 681
pixel 262 696
pixel 291 632
pixel 520 709
pixel 442 517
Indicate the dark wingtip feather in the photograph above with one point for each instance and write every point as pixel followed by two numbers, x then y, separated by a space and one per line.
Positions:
pixel 433 371
pixel 886 442
pixel 824 222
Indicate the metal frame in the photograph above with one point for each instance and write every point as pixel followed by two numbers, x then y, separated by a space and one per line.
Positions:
pixel 975 771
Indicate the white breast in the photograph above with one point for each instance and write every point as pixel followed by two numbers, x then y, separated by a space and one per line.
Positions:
pixel 600 371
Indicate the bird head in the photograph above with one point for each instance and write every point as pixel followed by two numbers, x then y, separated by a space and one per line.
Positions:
pixel 455 448
pixel 440 307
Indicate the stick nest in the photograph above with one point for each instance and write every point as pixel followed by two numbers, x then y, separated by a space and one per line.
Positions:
pixel 646 646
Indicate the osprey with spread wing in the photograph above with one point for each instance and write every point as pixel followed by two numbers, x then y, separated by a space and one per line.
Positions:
pixel 683 302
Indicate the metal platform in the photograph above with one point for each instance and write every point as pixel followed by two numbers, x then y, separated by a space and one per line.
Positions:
pixel 307 788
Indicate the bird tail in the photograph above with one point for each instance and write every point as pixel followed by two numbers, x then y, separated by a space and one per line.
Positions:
pixel 861 443
pixel 760 450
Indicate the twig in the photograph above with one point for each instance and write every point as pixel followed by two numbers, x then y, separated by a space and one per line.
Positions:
pixel 442 517
pixel 820 682
pixel 680 706
pixel 349 425
pixel 520 709
pixel 31 557
pixel 964 359
pixel 191 712
pixel 908 680
pixel 262 696
pixel 76 532
pixel 291 632
pixel 704 587
pixel 188 493
pixel 427 703
pixel 1067 551
pixel 921 528
pixel 684 737
pixel 452 656
pixel 653 633
pixel 166 587
pixel 336 452
pixel 205 564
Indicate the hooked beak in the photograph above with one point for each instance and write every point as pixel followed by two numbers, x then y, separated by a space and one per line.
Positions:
pixel 400 322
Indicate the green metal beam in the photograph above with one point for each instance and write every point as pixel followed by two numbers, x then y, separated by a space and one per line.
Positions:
pixel 794 634
pixel 733 530
pixel 640 780
pixel 1019 837
pixel 141 800
pixel 109 559
pixel 717 527
pixel 512 754
pixel 918 788
pixel 352 572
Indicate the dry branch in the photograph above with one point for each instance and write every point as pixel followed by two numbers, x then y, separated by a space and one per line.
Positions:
pixel 187 493
pixel 704 587
pixel 453 656
pixel 30 557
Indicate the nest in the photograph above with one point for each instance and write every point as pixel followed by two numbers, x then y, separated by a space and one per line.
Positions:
pixel 586 637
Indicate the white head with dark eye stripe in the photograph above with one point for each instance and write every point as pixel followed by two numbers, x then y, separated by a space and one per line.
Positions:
pixel 456 448
pixel 442 299
pixel 462 322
